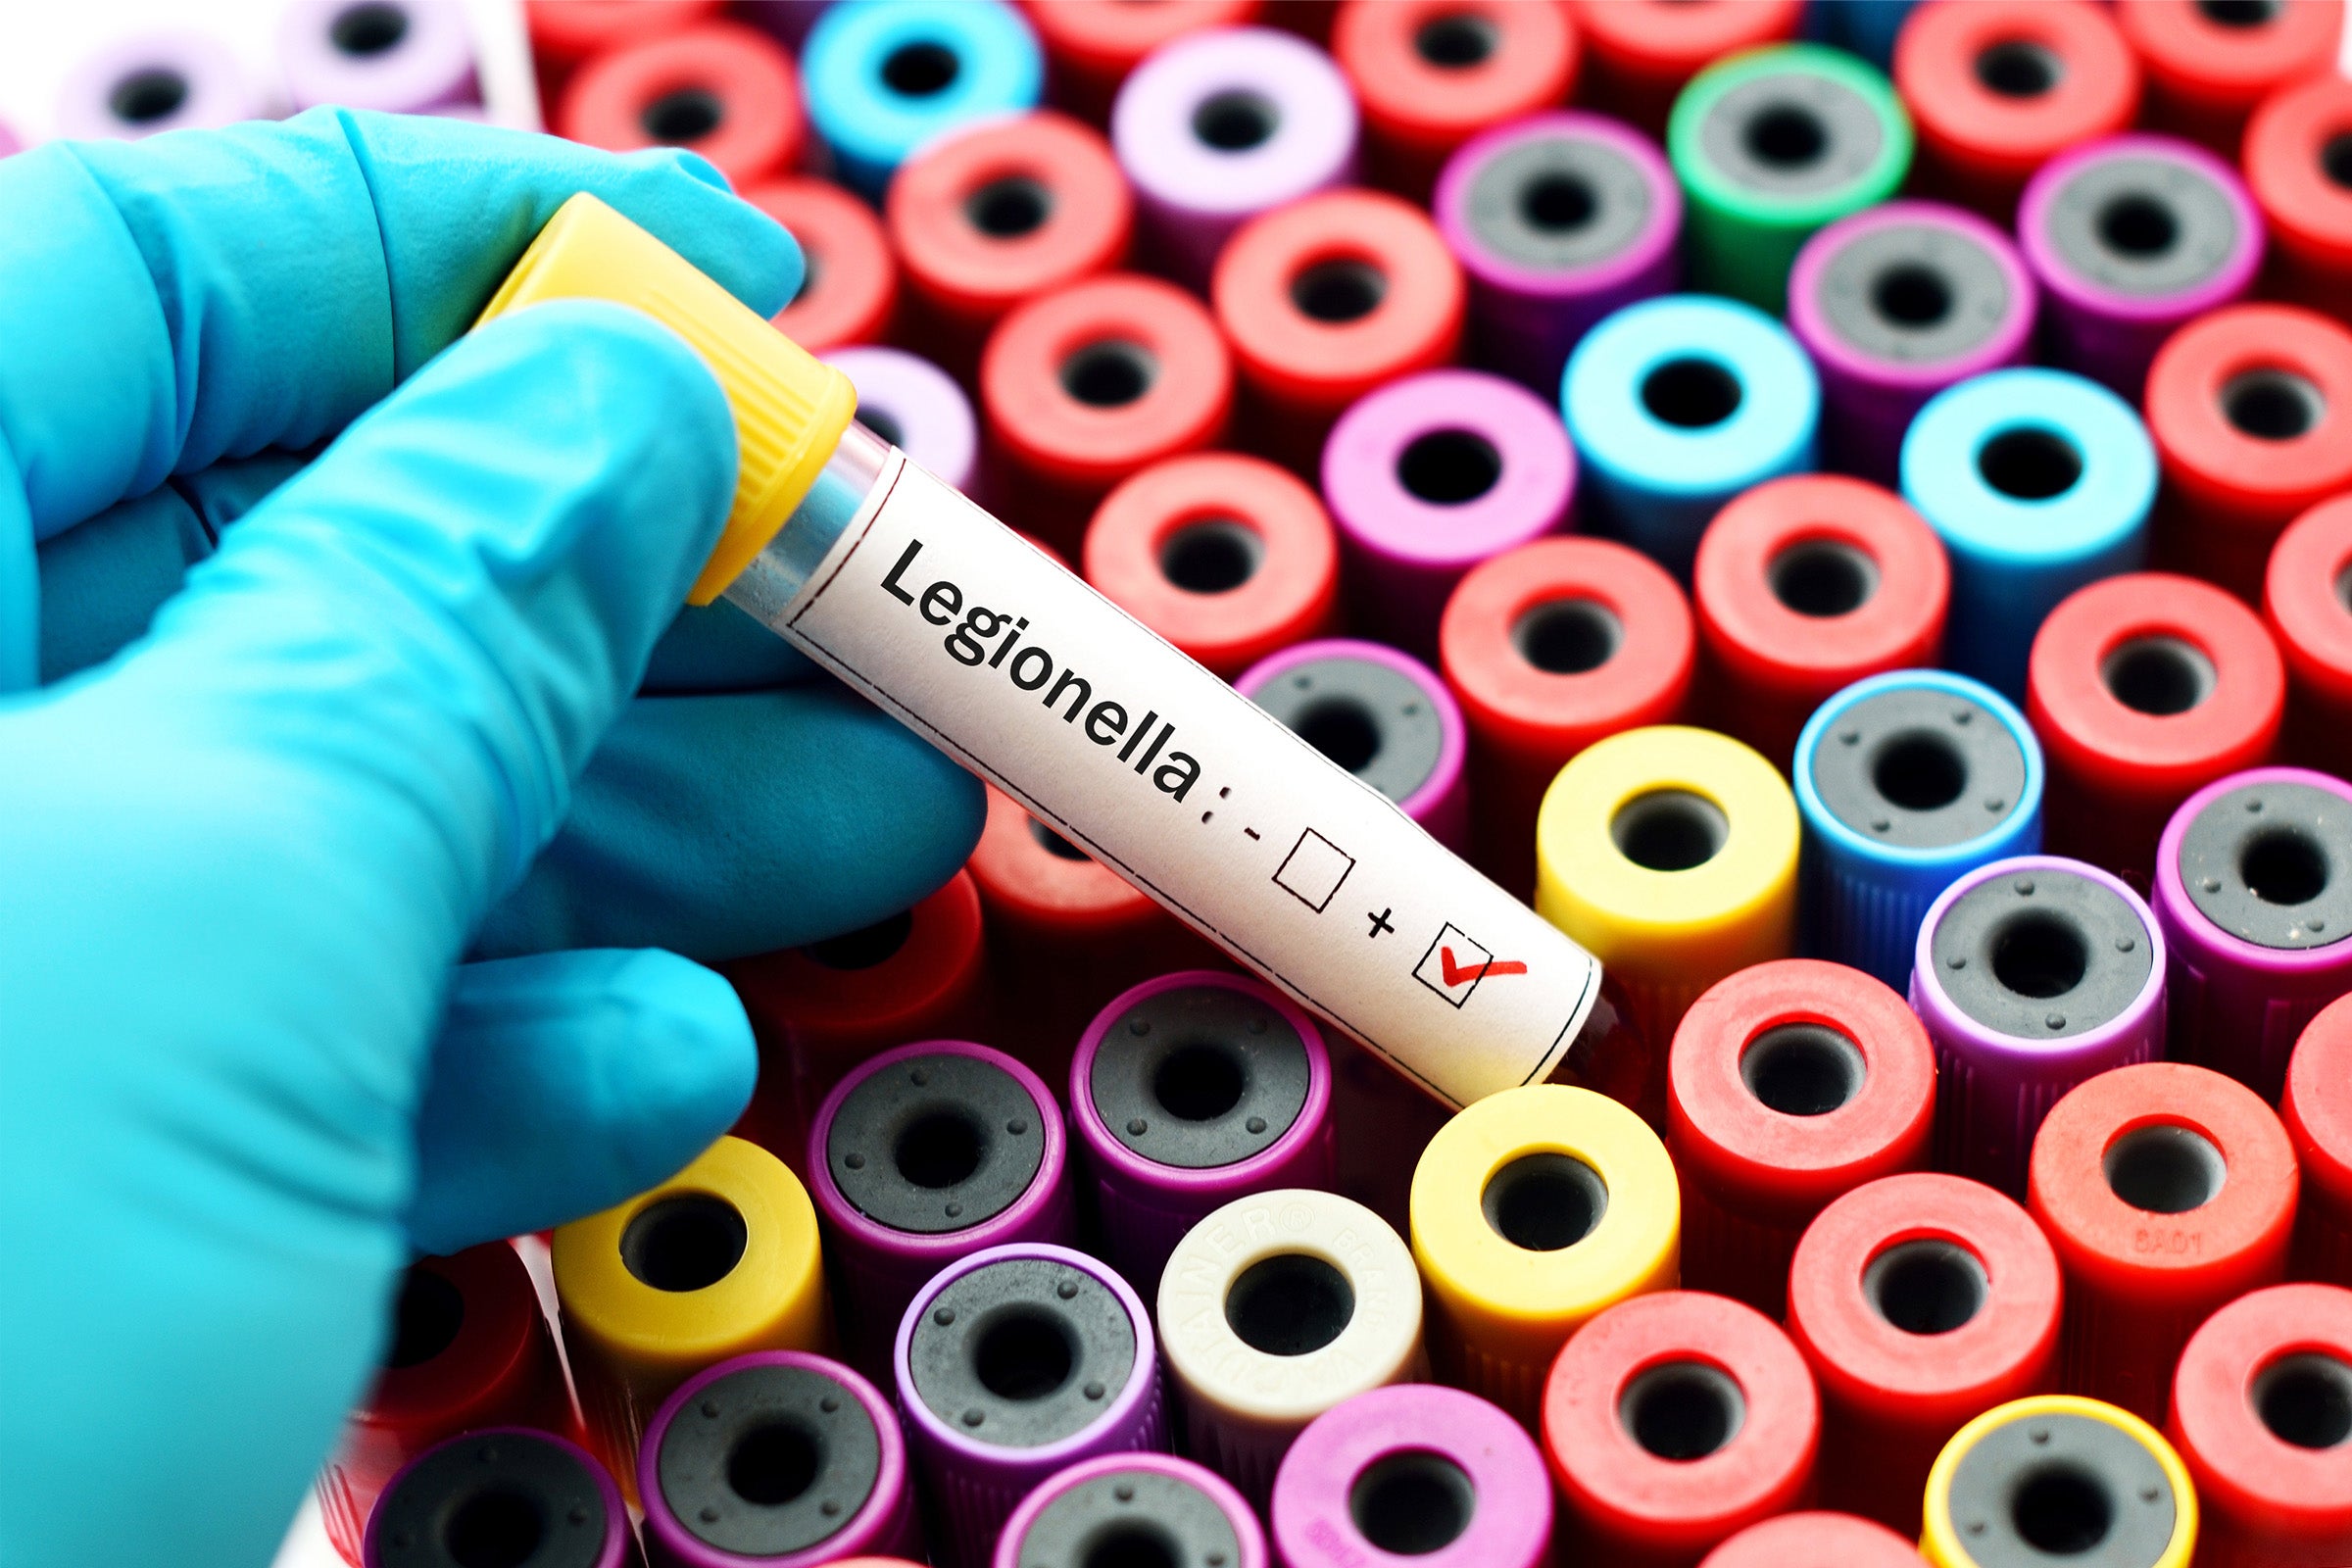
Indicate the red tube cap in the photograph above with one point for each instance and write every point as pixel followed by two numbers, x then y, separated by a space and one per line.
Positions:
pixel 2145 688
pixel 1083 387
pixel 723 91
pixel 2262 1406
pixel 1227 556
pixel 2298 164
pixel 1639 53
pixel 1813 1540
pixel 1672 1421
pixel 1429 74
pixel 2251 411
pixel 573 29
pixel 2167 1190
pixel 1326 299
pixel 2208 66
pixel 2304 605
pixel 1090 47
pixel 2317 1111
pixel 1996 88
pixel 1920 1301
pixel 1788 1084
pixel 1549 648
pixel 1804 586
pixel 853 281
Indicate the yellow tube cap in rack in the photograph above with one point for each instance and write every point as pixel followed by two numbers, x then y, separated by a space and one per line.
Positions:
pixel 1532 1210
pixel 790 408
pixel 718 1260
pixel 1669 855
pixel 2057 1478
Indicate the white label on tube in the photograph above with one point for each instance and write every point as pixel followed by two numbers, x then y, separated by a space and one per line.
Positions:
pixel 997 655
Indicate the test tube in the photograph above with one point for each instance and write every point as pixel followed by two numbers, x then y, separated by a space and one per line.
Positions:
pixel 850 289
pixel 2304 604
pixel 723 91
pixel 884 78
pixel 2317 1109
pixel 1132 1508
pixel 2207 66
pixel 1432 74
pixel 2055 1476
pixel 1090 49
pixel 1383 715
pixel 951 622
pixel 2298 164
pixel 493 1494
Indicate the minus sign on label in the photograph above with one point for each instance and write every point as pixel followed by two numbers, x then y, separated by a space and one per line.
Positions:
pixel 1251 832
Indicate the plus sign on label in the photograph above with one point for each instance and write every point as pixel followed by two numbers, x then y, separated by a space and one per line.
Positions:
pixel 1380 923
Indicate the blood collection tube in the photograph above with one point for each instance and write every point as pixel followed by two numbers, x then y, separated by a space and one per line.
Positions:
pixel 2254 892
pixel 403 56
pixel 1549 648
pixel 885 79
pixel 2208 66
pixel 1011 1364
pixel 2248 409
pixel 1132 1507
pixel 723 91
pixel 1221 125
pixel 1064 935
pixel 1432 474
pixel 1768 147
pixel 779 1458
pixel 2168 1190
pixel 1412 1473
pixel 2055 1476
pixel 862 560
pixel 2032 975
pixel 2317 1107
pixel 2037 482
pixel 922 1154
pixel 470 1348
pixel 565 32
pixel 160 81
pixel 2298 168
pixel 1380 715
pixel 2129 239
pixel 1804 586
pixel 1558 219
pixel 1811 1538
pixel 1895 304
pixel 1672 1421
pixel 1670 853
pixel 1429 74
pixel 1790 1083
pixel 1083 387
pixel 1532 1210
pixel 1679 405
pixel 916 407
pixel 1189 1091
pixel 850 289
pixel 2261 1408
pixel 1091 48
pixel 2305 605
pixel 718 1260
pixel 997 215
pixel 1275 1308
pixel 2143 689
pixel 1638 56
pixel 822 1009
pixel 1325 300
pixel 502 1493
pixel 1906 781
pixel 1227 556
pixel 1920 1301
pixel 1997 88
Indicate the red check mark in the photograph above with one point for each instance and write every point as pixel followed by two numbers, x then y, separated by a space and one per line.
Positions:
pixel 1455 973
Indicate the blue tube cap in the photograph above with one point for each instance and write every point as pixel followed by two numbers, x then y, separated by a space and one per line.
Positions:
pixel 884 77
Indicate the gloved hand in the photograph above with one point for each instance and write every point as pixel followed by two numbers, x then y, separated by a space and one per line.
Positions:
pixel 242 1070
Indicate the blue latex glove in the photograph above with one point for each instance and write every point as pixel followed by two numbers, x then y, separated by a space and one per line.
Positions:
pixel 242 1071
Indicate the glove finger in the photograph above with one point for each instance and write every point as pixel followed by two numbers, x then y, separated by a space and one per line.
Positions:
pixel 724 825
pixel 565 1083
pixel 102 583
pixel 717 648
pixel 168 302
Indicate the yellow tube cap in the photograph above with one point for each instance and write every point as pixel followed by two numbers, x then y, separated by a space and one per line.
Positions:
pixel 2044 1478
pixel 790 408
pixel 1532 1210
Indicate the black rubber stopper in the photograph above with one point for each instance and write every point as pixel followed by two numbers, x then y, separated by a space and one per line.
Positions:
pixel 938 1142
pixel 1560 203
pixel 2042 1489
pixel 1022 1353
pixel 770 1460
pixel 1199 1076
pixel 1914 293
pixel 1919 768
pixel 2143 223
pixel 1372 720
pixel 2041 954
pixel 1131 1519
pixel 508 1499
pixel 2272 864
pixel 1792 133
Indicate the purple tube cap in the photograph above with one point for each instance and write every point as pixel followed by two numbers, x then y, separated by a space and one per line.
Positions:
pixel 402 55
pixel 1335 1497
pixel 1450 207
pixel 164 81
pixel 1443 780
pixel 2056 275
pixel 915 405
pixel 1064 1523
pixel 1809 317
pixel 1275 76
pixel 2187 925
